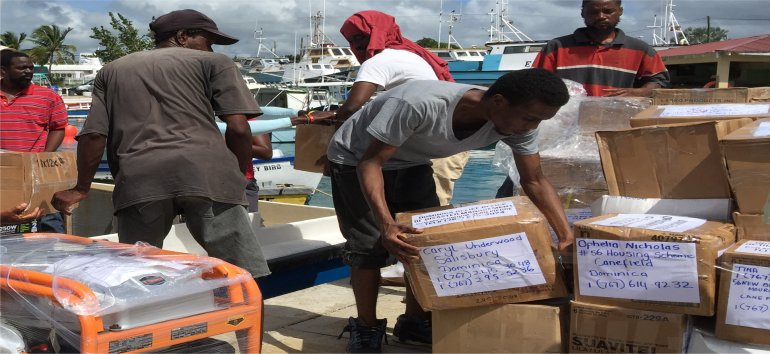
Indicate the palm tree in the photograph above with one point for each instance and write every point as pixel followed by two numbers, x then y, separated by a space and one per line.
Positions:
pixel 10 40
pixel 50 45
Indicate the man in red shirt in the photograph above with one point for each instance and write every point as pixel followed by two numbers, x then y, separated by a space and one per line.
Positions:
pixel 32 117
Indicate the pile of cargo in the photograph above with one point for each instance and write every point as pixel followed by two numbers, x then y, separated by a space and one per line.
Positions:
pixel 662 261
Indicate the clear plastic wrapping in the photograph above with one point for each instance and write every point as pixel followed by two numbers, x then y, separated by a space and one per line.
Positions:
pixel 98 296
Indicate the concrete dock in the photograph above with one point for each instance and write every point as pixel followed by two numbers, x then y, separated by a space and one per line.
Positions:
pixel 310 320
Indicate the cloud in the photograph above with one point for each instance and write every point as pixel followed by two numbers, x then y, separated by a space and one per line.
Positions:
pixel 284 20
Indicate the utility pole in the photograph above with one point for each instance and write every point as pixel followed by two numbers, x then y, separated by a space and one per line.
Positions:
pixel 708 29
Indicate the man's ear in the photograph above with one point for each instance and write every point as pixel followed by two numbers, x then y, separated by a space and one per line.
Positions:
pixel 181 37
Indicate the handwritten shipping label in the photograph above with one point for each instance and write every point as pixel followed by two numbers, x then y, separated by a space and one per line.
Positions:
pixel 656 271
pixel 468 213
pixel 652 222
pixel 755 247
pixel 762 130
pixel 701 110
pixel 748 301
pixel 489 264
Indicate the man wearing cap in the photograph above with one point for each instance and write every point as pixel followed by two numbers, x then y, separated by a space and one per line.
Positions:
pixel 154 111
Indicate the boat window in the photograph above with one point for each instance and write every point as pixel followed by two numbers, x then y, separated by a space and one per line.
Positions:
pixel 315 52
pixel 316 67
pixel 336 51
pixel 475 54
pixel 514 49
pixel 535 48
pixel 462 54
pixel 443 55
pixel 347 51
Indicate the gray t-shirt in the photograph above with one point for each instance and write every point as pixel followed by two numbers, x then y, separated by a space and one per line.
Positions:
pixel 157 110
pixel 417 117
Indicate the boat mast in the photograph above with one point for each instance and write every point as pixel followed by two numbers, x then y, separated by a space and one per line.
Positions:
pixel 453 17
pixel 258 36
pixel 668 32
pixel 501 27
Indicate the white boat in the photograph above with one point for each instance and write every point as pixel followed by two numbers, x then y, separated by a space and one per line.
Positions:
pixel 450 55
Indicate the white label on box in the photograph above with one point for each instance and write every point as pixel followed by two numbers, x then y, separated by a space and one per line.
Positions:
pixel 468 213
pixel 715 110
pixel 762 130
pixel 652 222
pixel 489 264
pixel 748 301
pixel 755 247
pixel 656 271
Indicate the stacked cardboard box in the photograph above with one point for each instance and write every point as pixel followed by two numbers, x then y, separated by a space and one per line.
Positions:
pixel 747 153
pixel 744 294
pixel 33 178
pixel 475 261
pixel 657 115
pixel 710 95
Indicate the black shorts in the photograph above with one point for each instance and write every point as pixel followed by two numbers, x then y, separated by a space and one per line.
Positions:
pixel 406 189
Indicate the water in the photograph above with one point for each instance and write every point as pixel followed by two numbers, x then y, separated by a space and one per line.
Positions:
pixel 479 181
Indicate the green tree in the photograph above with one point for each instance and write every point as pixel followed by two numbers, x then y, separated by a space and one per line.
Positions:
pixel 50 46
pixel 699 35
pixel 10 40
pixel 433 44
pixel 127 40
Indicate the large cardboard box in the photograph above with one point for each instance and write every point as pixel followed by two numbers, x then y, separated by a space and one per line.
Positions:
pixel 710 95
pixel 311 143
pixel 657 115
pixel 513 328
pixel 649 262
pixel 752 227
pixel 747 153
pixel 744 293
pixel 678 161
pixel 33 178
pixel 486 253
pixel 609 329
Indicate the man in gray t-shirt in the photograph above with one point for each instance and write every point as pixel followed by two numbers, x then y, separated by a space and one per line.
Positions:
pixel 154 110
pixel 380 165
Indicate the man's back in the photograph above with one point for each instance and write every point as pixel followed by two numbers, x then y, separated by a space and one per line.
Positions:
pixel 157 109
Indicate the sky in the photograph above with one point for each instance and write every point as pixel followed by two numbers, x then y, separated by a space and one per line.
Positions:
pixel 286 23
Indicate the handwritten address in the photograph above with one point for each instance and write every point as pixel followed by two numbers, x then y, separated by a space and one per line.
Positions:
pixel 489 264
pixel 749 298
pixel 467 213
pixel 656 271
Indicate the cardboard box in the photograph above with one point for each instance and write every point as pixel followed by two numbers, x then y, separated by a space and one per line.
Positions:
pixel 678 161
pixel 744 293
pixel 33 178
pixel 752 227
pixel 710 95
pixel 486 253
pixel 657 115
pixel 513 328
pixel 709 209
pixel 584 172
pixel 649 262
pixel 311 143
pixel 747 153
pixel 609 329
pixel 608 113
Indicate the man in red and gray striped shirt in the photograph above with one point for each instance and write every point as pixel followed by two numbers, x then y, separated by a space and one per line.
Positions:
pixel 32 117
pixel 602 58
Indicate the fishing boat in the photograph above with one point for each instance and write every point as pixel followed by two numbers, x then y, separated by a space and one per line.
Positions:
pixel 302 244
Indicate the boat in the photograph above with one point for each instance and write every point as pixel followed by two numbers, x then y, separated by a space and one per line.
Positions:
pixel 508 49
pixel 454 54
pixel 302 244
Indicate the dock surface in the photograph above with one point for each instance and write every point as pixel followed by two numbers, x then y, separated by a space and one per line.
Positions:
pixel 310 320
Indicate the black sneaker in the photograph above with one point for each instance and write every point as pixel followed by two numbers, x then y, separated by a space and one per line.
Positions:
pixel 409 328
pixel 364 339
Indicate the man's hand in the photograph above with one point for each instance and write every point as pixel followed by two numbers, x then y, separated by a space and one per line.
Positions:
pixel 17 215
pixel 393 240
pixel 65 201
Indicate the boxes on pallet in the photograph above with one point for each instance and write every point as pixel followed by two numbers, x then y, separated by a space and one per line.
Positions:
pixel 610 329
pixel 680 161
pixel 649 262
pixel 512 328
pixel 747 153
pixel 744 293
pixel 710 95
pixel 657 115
pixel 486 253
